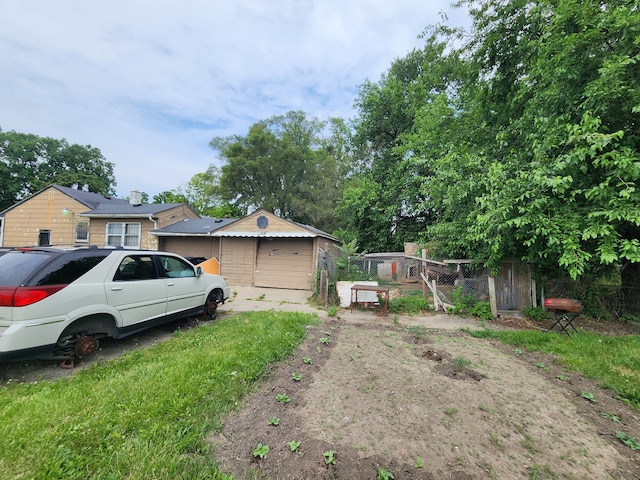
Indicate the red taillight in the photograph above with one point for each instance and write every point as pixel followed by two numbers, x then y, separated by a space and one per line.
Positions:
pixel 6 296
pixel 23 296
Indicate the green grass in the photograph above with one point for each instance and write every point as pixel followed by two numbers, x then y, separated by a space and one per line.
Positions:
pixel 148 413
pixel 614 361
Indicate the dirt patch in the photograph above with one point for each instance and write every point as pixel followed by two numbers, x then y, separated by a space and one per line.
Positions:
pixel 420 404
pixel 424 405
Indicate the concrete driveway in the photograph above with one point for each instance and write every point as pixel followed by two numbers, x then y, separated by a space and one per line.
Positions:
pixel 248 299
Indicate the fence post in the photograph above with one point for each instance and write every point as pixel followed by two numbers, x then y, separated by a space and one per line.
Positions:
pixel 425 288
pixel 324 288
pixel 492 296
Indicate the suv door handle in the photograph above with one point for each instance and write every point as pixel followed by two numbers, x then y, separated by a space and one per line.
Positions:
pixel 116 289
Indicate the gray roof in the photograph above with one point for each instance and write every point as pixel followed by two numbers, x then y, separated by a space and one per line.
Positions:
pixel 101 206
pixel 207 226
pixel 126 209
pixel 193 226
pixel 318 232
pixel 109 207
pixel 90 199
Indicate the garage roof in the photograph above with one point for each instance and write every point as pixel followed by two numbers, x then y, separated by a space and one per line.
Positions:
pixel 193 227
pixel 245 227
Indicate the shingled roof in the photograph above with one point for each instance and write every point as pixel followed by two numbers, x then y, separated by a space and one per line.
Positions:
pixel 101 206
pixel 90 199
pixel 193 227
pixel 213 227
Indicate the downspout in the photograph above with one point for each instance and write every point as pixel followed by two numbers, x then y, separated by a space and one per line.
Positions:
pixel 155 227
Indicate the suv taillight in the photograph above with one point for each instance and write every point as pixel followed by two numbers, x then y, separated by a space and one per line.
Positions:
pixel 6 296
pixel 23 296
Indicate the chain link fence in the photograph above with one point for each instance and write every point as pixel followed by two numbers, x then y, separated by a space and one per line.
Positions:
pixel 407 273
pixel 600 300
pixel 449 282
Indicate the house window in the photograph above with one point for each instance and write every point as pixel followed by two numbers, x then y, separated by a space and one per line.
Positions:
pixel 82 232
pixel 44 238
pixel 125 235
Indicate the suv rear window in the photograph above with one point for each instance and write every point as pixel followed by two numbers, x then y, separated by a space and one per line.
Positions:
pixel 16 266
pixel 68 268
pixel 38 267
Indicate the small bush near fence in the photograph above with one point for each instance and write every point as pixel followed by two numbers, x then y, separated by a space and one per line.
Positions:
pixel 411 303
pixel 464 303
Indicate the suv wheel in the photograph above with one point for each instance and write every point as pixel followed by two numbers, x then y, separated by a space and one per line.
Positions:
pixel 85 345
pixel 211 306
pixel 76 345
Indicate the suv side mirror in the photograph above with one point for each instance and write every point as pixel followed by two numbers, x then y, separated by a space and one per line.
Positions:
pixel 198 271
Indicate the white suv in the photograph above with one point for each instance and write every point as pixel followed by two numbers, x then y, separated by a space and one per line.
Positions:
pixel 58 303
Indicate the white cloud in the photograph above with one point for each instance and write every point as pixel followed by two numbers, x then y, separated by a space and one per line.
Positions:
pixel 150 83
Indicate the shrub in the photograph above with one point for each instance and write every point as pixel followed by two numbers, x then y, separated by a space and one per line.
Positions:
pixel 463 303
pixel 482 310
pixel 409 304
pixel 535 313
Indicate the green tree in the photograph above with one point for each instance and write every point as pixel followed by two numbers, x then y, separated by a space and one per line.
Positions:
pixel 202 193
pixel 527 143
pixel 522 140
pixel 29 163
pixel 284 165
pixel 366 219
pixel 559 84
pixel 169 196
pixel 389 207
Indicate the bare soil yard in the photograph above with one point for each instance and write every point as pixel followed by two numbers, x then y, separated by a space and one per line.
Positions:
pixel 424 404
pixel 395 398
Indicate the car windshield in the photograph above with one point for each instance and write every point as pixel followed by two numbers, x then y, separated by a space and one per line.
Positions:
pixel 17 266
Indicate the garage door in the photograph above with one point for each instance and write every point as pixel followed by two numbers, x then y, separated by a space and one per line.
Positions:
pixel 237 260
pixel 284 263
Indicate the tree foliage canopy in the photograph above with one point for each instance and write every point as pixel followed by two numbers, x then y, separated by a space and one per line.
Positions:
pixel 286 164
pixel 202 193
pixel 558 83
pixel 518 138
pixel 29 163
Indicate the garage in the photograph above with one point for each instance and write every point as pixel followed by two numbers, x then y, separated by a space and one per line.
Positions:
pixel 284 263
pixel 259 250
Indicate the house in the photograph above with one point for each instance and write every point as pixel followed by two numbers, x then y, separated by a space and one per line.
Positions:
pixel 59 215
pixel 261 249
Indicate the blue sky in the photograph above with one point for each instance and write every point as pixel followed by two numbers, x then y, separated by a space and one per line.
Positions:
pixel 151 82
